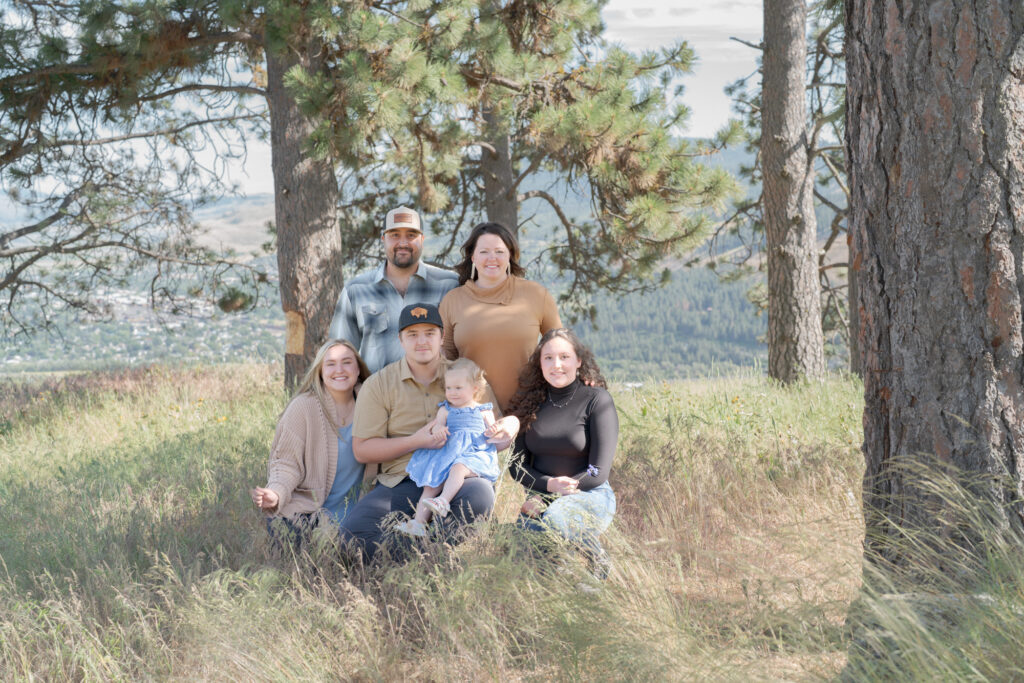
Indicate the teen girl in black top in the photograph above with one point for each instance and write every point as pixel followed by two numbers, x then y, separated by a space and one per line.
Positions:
pixel 567 440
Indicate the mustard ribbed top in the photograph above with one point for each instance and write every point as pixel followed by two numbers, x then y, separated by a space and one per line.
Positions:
pixel 497 328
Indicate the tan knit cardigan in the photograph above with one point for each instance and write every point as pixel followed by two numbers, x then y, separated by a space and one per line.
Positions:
pixel 304 457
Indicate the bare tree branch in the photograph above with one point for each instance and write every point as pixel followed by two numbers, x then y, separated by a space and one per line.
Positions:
pixel 534 165
pixel 483 145
pixel 18 152
pixel 837 176
pixel 756 46
pixel 8 237
pixel 541 194
pixel 206 87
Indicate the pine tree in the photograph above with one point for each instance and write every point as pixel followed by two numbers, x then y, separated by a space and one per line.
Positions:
pixel 937 190
pixel 506 100
pixel 740 240
pixel 398 98
pixel 795 344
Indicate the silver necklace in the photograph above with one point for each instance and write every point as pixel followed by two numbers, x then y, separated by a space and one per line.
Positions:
pixel 567 401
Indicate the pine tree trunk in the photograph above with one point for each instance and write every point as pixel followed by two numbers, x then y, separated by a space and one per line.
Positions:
pixel 853 305
pixel 498 175
pixel 935 136
pixel 795 339
pixel 308 239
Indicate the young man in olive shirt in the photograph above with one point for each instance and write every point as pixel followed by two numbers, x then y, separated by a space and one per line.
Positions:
pixel 394 412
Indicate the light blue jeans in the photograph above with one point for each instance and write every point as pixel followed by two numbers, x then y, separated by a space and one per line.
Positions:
pixel 579 518
pixel 582 516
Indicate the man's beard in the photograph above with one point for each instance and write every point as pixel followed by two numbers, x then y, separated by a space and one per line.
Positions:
pixel 403 258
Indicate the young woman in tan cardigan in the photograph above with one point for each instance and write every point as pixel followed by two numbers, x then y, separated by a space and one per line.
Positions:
pixel 313 476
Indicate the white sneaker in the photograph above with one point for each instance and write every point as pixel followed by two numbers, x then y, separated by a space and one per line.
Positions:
pixel 439 506
pixel 411 527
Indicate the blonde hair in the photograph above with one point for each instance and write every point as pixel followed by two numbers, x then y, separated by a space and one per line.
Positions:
pixel 476 376
pixel 313 380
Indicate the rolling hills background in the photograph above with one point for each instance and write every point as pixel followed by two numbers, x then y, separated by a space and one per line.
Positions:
pixel 694 325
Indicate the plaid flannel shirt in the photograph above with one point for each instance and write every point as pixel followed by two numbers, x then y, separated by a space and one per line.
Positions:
pixel 369 305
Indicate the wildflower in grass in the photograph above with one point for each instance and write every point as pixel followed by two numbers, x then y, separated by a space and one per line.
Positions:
pixel 593 471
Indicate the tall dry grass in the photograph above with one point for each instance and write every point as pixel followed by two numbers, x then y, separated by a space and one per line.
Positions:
pixel 130 548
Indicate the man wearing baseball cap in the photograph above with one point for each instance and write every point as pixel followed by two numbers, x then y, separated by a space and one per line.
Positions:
pixel 367 310
pixel 394 412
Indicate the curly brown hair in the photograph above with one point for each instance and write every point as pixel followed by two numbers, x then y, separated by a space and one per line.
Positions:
pixel 465 269
pixel 533 388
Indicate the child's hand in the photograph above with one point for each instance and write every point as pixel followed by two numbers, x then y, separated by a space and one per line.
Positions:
pixel 426 438
pixel 503 431
pixel 440 430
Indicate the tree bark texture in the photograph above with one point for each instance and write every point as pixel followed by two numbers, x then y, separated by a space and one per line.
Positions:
pixel 853 305
pixel 498 175
pixel 795 339
pixel 935 136
pixel 309 246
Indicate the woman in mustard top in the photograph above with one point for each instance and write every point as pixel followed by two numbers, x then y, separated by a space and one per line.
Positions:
pixel 495 316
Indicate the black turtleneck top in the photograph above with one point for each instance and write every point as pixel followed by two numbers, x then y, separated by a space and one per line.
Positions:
pixel 576 429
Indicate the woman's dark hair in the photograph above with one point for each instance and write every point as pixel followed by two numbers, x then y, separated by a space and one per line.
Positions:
pixel 464 269
pixel 533 388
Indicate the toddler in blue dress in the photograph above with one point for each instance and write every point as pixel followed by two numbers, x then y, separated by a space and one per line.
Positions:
pixel 466 453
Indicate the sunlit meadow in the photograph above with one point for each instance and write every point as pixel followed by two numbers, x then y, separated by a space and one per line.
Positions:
pixel 130 548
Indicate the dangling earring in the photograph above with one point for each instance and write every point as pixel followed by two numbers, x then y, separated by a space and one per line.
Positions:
pixel 508 268
pixel 472 271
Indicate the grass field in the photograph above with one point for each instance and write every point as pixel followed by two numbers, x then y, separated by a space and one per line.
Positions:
pixel 130 549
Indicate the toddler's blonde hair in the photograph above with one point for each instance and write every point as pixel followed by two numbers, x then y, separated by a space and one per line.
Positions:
pixel 473 371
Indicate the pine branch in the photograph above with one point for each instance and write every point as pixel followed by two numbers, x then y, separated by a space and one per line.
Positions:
pixel 8 237
pixel 476 79
pixel 240 89
pixel 756 46
pixel 398 16
pixel 102 66
pixel 17 152
pixel 534 165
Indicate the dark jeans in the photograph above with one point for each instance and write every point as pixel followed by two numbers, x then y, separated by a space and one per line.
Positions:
pixel 292 532
pixel 363 527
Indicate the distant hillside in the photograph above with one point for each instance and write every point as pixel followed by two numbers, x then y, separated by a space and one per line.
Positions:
pixel 238 223
pixel 691 326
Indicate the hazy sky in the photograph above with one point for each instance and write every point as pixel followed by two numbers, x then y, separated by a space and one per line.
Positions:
pixel 707 25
